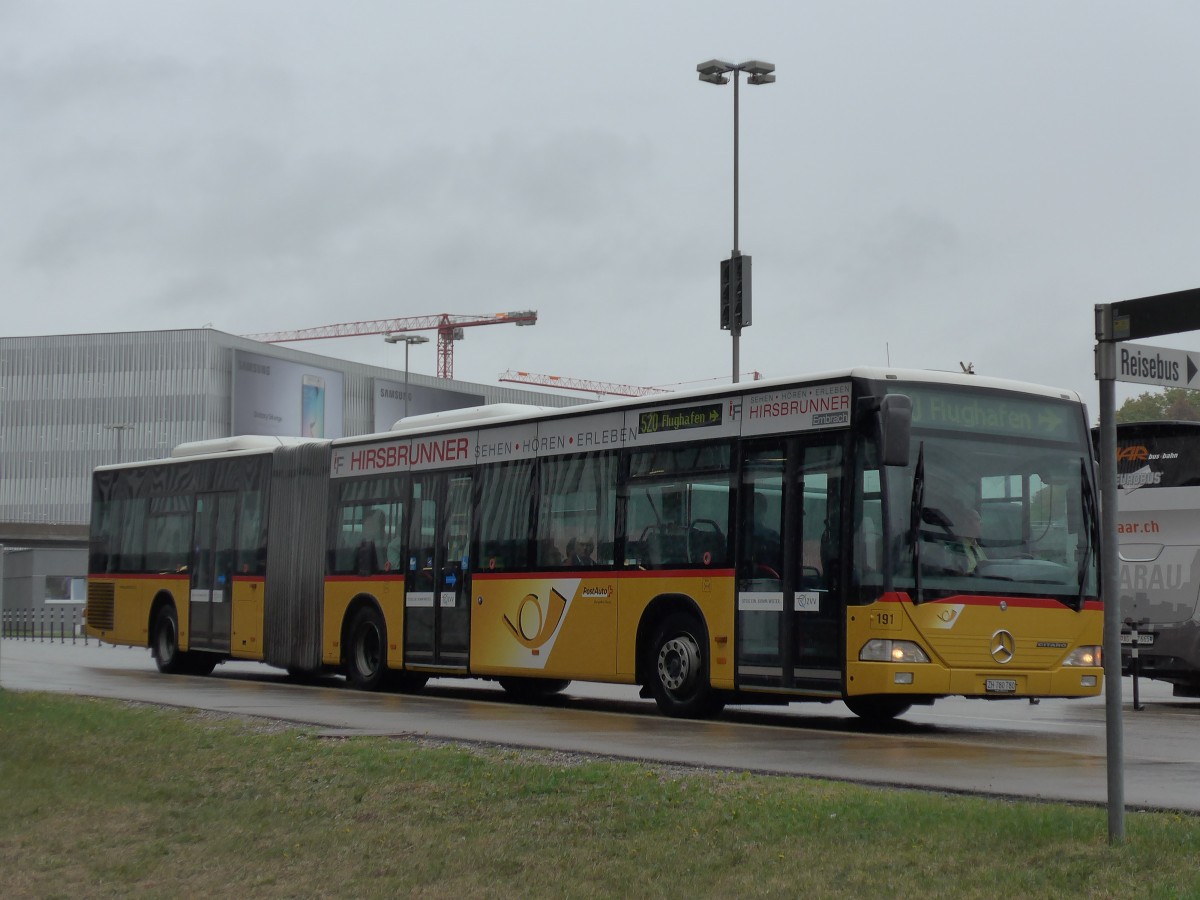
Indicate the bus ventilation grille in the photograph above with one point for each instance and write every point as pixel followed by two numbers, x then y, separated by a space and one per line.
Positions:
pixel 100 605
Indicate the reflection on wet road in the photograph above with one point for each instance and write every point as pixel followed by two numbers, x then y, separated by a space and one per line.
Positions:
pixel 1053 750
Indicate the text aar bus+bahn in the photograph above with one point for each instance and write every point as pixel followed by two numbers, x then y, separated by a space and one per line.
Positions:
pixel 1158 532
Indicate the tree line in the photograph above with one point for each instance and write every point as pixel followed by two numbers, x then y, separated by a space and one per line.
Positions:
pixel 1179 404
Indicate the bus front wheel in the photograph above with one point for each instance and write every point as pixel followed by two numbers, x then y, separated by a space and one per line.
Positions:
pixel 677 670
pixel 366 650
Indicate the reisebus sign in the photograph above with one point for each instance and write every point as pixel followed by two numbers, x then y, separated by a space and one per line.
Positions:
pixel 1157 365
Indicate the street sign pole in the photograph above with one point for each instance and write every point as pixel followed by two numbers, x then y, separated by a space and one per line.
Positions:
pixel 1110 582
pixel 1115 322
pixel 2 552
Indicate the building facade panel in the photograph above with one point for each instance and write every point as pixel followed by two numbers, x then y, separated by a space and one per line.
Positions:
pixel 69 403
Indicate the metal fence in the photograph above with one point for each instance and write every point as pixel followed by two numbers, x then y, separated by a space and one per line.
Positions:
pixel 54 622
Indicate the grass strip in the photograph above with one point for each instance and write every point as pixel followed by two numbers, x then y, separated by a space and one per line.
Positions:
pixel 101 798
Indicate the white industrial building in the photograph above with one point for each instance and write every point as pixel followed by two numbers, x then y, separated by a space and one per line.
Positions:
pixel 71 402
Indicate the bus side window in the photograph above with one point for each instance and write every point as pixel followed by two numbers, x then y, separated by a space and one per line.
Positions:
pixel 868 534
pixel 504 516
pixel 869 541
pixel 577 506
pixel 133 536
pixel 677 507
pixel 821 484
pixel 252 535
pixel 103 536
pixel 368 530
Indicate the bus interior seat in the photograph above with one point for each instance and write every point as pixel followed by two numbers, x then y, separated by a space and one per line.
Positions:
pixel 704 542
pixel 667 545
pixel 810 578
pixel 366 559
pixel 503 554
pixel 1000 530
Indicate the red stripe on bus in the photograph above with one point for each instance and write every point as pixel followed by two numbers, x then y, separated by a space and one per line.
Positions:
pixel 126 576
pixel 169 576
pixel 990 600
pixel 380 576
pixel 541 575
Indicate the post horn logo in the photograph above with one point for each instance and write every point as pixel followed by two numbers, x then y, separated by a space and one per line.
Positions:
pixel 535 623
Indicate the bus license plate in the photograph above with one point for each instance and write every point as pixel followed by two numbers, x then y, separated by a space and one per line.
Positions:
pixel 1000 685
pixel 1145 638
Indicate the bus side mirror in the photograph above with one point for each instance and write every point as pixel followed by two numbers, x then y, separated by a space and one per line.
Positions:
pixel 895 429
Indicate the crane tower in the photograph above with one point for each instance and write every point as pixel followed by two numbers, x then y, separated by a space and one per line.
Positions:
pixel 449 329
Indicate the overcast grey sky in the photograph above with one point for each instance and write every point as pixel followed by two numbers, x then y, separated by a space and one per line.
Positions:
pixel 930 182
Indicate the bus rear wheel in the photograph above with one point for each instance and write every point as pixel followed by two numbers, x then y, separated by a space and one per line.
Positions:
pixel 878 708
pixel 165 647
pixel 366 650
pixel 677 670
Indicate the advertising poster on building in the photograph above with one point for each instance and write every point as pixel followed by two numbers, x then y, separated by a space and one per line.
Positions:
pixel 390 407
pixel 285 399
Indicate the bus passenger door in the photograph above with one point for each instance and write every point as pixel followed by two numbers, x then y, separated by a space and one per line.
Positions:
pixel 211 567
pixel 437 610
pixel 788 605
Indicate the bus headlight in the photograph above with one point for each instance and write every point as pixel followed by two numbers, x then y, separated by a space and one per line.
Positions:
pixel 1084 656
pixel 887 650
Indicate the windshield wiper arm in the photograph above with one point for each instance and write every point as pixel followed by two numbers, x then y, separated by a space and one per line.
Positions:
pixel 1089 529
pixel 914 520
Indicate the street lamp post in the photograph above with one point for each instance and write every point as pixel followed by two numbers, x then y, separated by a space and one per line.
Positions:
pixel 120 430
pixel 735 271
pixel 407 340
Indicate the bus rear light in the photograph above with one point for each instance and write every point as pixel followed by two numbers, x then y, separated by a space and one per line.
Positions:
pixel 887 650
pixel 1084 656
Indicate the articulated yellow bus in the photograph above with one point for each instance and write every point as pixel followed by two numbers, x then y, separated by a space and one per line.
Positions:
pixel 878 537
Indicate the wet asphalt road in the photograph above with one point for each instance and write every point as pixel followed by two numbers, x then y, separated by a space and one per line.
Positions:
pixel 1053 750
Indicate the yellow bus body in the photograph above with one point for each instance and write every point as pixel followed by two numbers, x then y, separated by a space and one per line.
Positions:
pixel 579 627
pixel 961 635
pixel 576 626
pixel 120 607
pixel 385 592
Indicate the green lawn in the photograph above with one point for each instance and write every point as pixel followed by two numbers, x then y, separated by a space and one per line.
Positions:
pixel 101 798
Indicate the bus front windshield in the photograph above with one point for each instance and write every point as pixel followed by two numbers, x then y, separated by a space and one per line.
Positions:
pixel 981 511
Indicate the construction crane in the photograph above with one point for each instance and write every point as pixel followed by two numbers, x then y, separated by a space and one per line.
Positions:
pixel 580 384
pixel 449 328
pixel 592 387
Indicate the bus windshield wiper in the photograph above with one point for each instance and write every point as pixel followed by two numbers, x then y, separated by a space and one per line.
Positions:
pixel 1089 529
pixel 914 520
